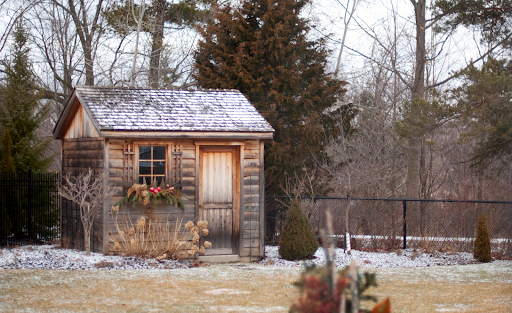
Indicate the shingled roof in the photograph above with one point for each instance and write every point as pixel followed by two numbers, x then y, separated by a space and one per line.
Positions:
pixel 169 110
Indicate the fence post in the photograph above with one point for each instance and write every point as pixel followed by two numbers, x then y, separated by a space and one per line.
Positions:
pixel 29 205
pixel 404 203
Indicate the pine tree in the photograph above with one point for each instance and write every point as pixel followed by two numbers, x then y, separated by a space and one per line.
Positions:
pixel 262 49
pixel 6 164
pixel 21 110
pixel 298 240
pixel 484 99
pixel 482 248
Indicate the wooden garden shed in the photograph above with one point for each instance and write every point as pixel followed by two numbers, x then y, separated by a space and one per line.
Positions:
pixel 209 143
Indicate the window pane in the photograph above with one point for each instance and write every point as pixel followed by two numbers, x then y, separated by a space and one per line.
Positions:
pixel 158 180
pixel 144 152
pixel 145 179
pixel 145 168
pixel 159 167
pixel 159 153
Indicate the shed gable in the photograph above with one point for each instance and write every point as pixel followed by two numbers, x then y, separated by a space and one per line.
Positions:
pixel 79 124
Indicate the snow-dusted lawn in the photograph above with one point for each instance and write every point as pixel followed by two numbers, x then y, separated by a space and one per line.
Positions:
pixel 32 279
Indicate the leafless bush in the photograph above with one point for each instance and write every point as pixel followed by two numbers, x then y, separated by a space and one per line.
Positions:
pixel 89 192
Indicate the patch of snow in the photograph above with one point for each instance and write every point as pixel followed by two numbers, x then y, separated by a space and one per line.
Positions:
pixel 406 258
pixel 53 257
pixel 224 291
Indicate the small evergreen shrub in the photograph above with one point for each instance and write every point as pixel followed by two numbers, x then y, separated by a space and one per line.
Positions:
pixel 298 240
pixel 482 248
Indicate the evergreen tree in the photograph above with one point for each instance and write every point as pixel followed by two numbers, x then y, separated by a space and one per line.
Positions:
pixel 6 164
pixel 262 49
pixel 492 17
pixel 298 240
pixel 21 110
pixel 484 99
pixel 484 103
pixel 482 247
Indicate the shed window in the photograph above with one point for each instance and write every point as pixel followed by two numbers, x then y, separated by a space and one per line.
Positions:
pixel 151 164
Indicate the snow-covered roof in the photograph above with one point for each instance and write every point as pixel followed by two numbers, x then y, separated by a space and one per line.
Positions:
pixel 169 110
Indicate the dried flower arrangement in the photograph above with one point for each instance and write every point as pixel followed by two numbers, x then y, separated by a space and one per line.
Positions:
pixel 160 240
pixel 141 193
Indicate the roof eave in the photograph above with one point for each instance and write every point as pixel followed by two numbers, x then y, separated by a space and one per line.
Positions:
pixel 186 134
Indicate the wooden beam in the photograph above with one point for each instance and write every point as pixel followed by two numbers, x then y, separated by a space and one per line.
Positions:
pixel 106 204
pixel 242 207
pixel 198 187
pixel 218 143
pixel 262 199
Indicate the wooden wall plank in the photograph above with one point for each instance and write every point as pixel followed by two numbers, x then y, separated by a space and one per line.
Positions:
pixel 83 154
pixel 252 163
pixel 251 180
pixel 252 189
pixel 85 163
pixel 251 243
pixel 251 233
pixel 252 154
pixel 82 144
pixel 65 170
pixel 251 252
pixel 251 225
pixel 252 144
pixel 251 171
pixel 252 207
pixel 251 198
pixel 251 216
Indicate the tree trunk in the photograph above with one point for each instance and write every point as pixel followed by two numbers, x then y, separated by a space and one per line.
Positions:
pixel 89 68
pixel 417 91
pixel 87 240
pixel 347 233
pixel 157 44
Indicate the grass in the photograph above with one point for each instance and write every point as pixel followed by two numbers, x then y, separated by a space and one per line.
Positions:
pixel 246 288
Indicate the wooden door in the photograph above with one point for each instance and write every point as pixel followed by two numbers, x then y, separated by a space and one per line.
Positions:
pixel 218 198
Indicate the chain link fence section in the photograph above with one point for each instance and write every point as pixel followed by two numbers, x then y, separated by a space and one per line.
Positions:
pixel 378 224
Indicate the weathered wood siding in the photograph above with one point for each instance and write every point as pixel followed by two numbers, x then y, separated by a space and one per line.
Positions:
pixel 78 155
pixel 122 174
pixel 252 243
pixel 81 126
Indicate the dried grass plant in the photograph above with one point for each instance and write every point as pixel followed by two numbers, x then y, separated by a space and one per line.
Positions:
pixel 157 239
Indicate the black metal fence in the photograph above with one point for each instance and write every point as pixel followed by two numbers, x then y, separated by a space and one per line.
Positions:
pixel 29 208
pixel 400 223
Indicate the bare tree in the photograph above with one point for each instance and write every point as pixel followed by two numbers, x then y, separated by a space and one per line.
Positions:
pixel 88 21
pixel 89 191
pixel 346 21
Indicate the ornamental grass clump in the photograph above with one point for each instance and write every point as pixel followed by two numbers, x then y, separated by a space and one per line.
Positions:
pixel 157 239
pixel 298 240
pixel 482 247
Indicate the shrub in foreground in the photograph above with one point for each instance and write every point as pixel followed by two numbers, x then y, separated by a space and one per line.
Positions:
pixel 319 294
pixel 482 247
pixel 298 240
